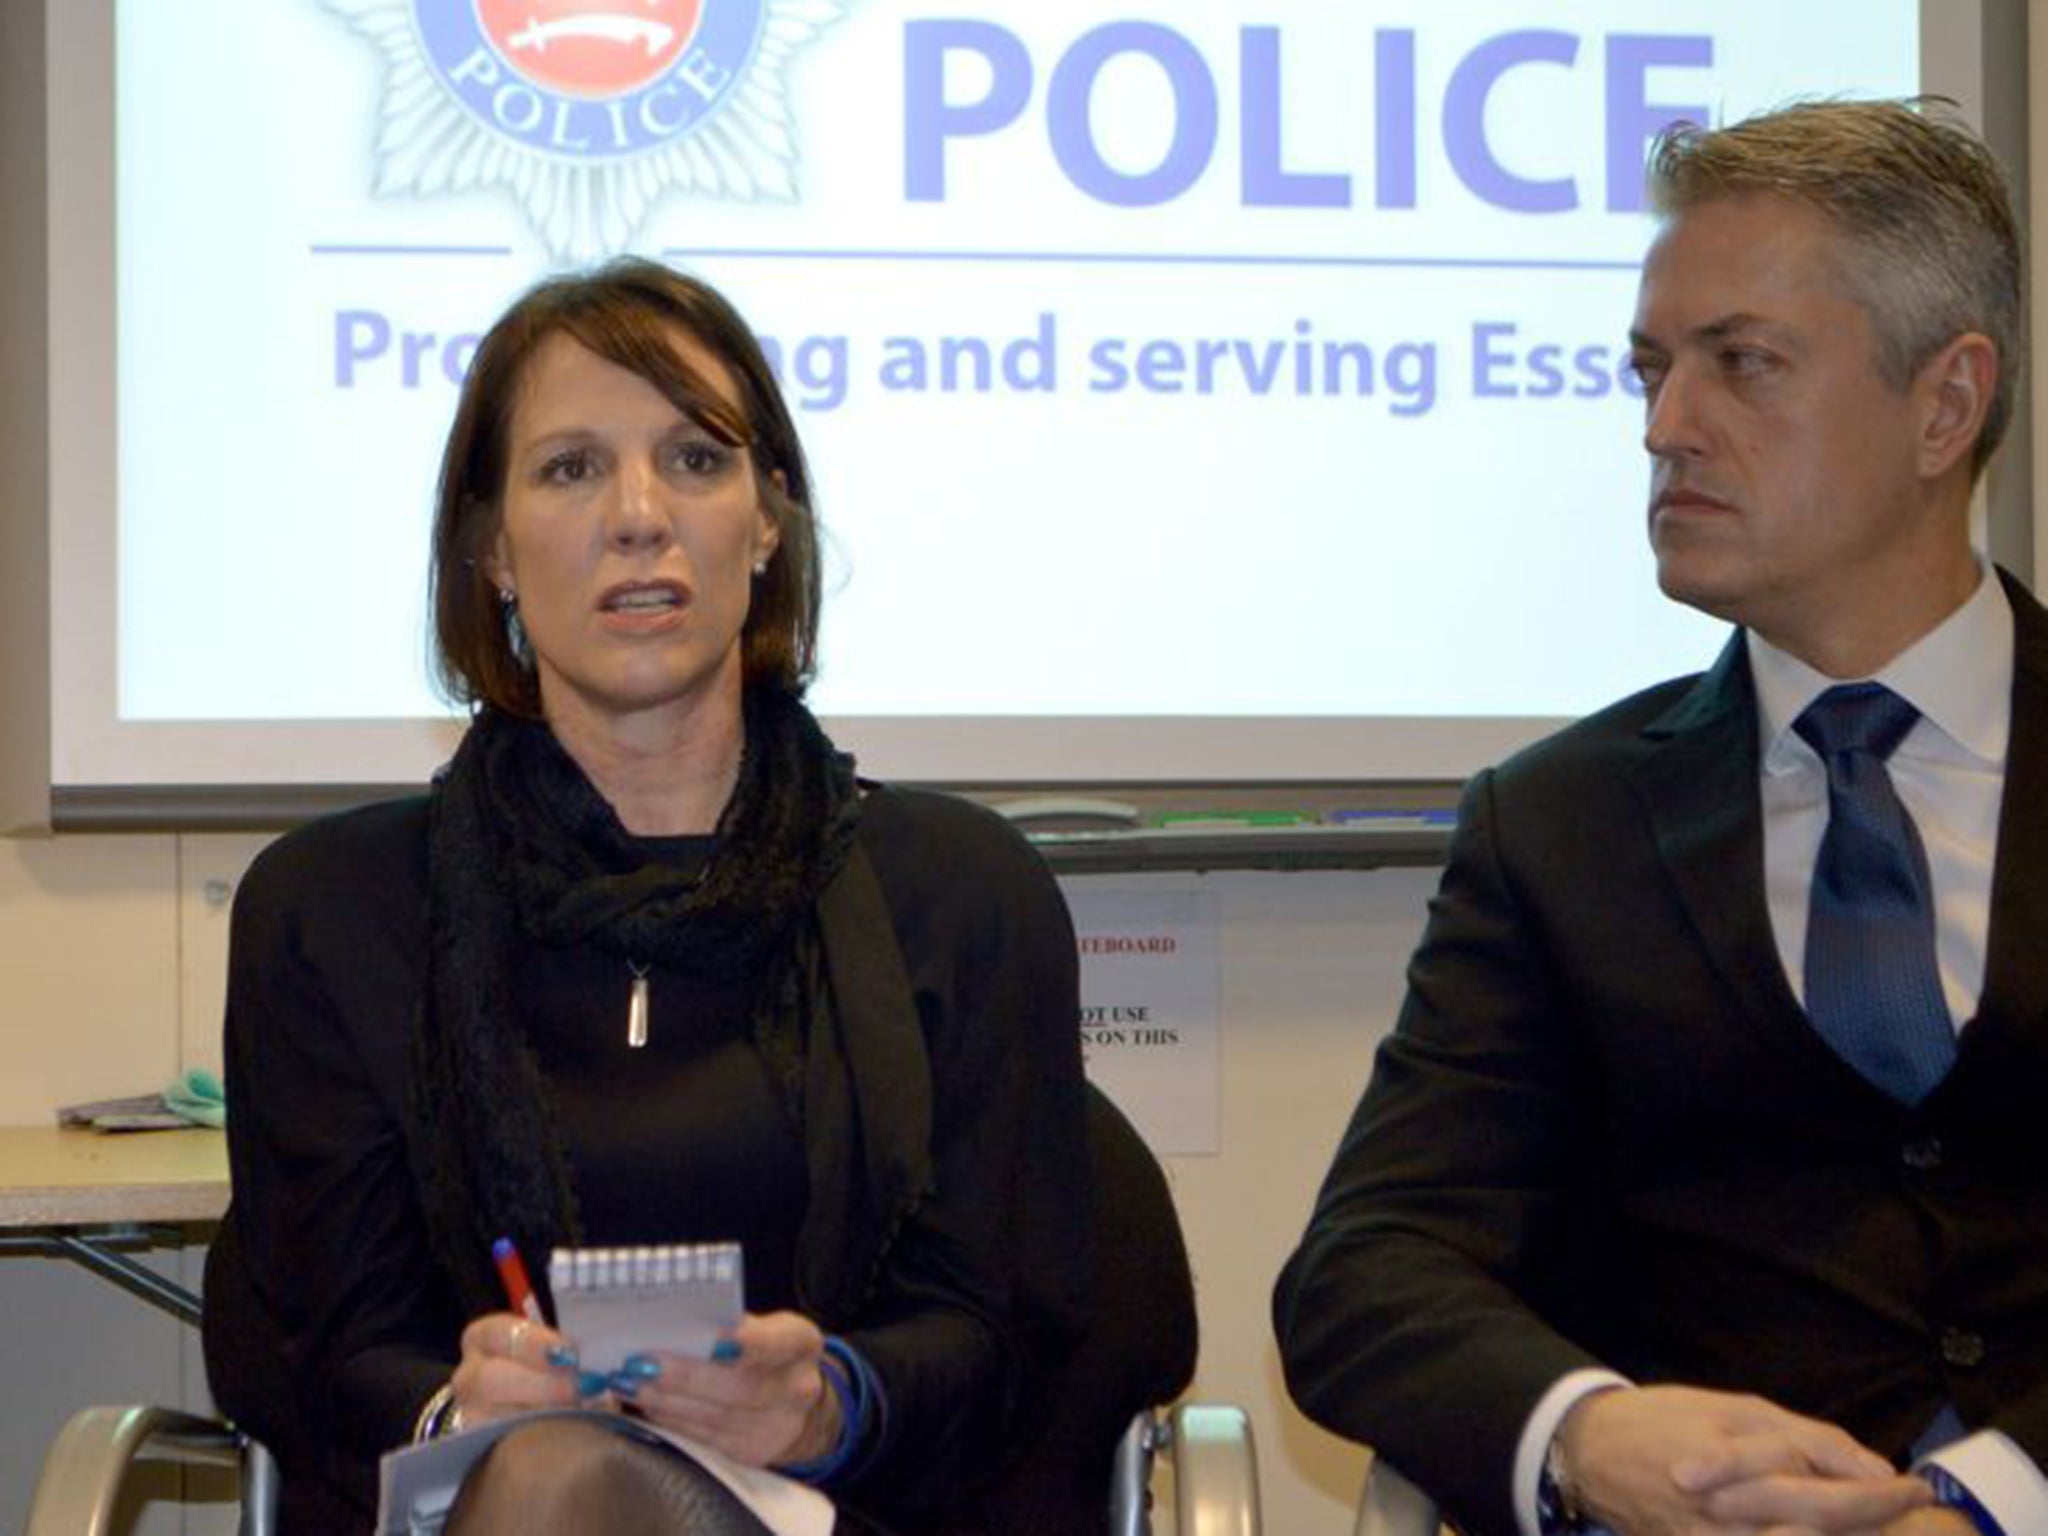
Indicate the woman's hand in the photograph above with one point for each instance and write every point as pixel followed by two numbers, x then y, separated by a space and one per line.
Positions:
pixel 764 1402
pixel 511 1364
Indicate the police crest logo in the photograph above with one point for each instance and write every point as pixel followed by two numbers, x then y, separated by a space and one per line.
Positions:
pixel 587 112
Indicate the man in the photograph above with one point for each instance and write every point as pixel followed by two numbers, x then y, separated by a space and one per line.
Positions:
pixel 1704 1183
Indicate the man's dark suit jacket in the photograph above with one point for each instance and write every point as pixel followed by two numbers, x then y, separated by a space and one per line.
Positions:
pixel 1604 1132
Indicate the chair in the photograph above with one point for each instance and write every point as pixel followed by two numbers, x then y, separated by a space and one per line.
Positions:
pixel 1089 1470
pixel 1390 1505
pixel 1208 1446
pixel 88 1466
pixel 1087 1474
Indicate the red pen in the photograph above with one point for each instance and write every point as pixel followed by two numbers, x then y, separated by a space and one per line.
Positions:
pixel 518 1289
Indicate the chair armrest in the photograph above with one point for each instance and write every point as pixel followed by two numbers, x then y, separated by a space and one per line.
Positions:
pixel 80 1486
pixel 1130 1482
pixel 1215 1471
pixel 1390 1505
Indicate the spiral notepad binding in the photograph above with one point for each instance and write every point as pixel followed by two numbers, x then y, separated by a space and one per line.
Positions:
pixel 597 1269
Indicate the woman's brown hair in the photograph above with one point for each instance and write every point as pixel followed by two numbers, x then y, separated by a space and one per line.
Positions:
pixel 627 312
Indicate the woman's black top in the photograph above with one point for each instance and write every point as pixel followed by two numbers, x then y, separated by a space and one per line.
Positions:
pixel 683 1139
pixel 686 1138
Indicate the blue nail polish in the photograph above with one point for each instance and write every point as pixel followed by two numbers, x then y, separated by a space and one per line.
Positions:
pixel 626 1386
pixel 725 1351
pixel 646 1367
pixel 561 1356
pixel 592 1383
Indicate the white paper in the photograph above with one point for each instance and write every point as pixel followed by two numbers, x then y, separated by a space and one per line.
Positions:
pixel 615 1302
pixel 1150 1018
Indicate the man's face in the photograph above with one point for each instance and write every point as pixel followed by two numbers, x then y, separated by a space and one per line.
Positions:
pixel 1786 485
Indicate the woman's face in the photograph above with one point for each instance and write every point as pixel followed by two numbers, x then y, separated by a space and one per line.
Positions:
pixel 629 535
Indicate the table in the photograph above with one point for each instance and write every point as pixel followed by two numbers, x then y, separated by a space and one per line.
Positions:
pixel 82 1195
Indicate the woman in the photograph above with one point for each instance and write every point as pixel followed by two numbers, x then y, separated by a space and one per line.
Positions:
pixel 648 965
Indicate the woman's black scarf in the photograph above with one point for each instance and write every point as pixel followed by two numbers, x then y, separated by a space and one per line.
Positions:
pixel 522 848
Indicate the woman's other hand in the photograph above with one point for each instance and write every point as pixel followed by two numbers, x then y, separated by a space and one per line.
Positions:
pixel 762 1399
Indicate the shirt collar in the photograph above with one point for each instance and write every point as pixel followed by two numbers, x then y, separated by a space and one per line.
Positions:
pixel 1958 675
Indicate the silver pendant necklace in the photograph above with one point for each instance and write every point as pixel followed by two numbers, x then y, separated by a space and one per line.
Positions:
pixel 636 1005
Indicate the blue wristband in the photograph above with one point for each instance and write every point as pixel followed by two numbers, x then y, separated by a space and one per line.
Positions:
pixel 1951 1494
pixel 852 1381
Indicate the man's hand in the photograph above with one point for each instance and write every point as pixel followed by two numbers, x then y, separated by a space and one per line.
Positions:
pixel 1655 1461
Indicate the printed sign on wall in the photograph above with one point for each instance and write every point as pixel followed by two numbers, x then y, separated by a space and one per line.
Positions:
pixel 1150 1018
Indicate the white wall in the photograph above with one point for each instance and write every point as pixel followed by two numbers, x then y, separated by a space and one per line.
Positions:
pixel 91 965
pixel 111 970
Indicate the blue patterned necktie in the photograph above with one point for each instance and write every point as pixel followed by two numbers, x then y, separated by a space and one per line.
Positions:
pixel 1873 988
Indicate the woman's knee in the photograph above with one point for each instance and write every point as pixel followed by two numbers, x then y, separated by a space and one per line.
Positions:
pixel 558 1475
pixel 531 1475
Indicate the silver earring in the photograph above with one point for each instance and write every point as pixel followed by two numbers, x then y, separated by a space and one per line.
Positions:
pixel 760 567
pixel 515 632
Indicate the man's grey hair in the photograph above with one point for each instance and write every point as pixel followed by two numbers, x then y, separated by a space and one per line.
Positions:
pixel 1930 247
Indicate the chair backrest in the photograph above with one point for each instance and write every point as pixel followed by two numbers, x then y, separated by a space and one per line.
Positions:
pixel 1390 1505
pixel 246 1370
pixel 1138 1352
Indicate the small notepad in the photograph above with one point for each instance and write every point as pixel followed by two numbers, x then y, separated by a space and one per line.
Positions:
pixel 680 1298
